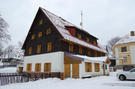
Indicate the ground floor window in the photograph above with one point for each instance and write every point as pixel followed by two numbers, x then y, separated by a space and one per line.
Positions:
pixel 88 67
pixel 29 67
pixel 38 67
pixel 97 67
pixel 47 67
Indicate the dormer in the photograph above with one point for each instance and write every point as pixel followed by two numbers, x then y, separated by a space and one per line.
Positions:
pixel 71 29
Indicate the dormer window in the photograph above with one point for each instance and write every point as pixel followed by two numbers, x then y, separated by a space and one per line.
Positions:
pixel 79 36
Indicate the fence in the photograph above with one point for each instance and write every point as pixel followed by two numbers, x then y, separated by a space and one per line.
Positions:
pixel 9 78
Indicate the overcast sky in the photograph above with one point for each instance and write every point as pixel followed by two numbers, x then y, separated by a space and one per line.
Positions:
pixel 104 19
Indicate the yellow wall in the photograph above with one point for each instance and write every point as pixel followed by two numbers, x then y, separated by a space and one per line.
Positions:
pixel 124 54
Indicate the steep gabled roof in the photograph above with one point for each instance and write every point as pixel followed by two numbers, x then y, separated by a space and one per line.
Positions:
pixel 126 39
pixel 60 25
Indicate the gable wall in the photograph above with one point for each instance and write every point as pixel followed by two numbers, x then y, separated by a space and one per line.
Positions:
pixel 35 29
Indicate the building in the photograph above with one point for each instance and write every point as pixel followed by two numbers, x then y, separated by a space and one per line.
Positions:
pixel 56 45
pixel 124 51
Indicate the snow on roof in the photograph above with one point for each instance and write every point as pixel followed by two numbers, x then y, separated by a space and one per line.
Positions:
pixel 103 59
pixel 126 39
pixel 60 24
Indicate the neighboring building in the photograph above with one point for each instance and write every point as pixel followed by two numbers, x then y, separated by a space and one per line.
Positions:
pixel 56 45
pixel 124 51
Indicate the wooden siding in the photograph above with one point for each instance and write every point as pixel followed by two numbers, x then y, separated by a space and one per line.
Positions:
pixel 51 35
pixel 69 60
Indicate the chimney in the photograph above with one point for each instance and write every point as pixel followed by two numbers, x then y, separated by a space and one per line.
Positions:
pixel 132 33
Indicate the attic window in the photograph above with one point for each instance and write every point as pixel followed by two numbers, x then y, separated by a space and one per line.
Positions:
pixel 48 31
pixel 33 37
pixel 30 50
pixel 49 46
pixel 41 21
pixel 38 48
pixel 39 34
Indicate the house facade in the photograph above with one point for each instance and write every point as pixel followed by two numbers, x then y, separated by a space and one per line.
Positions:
pixel 124 50
pixel 54 45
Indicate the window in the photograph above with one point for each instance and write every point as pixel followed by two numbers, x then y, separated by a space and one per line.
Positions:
pixel 89 53
pixel 29 67
pixel 41 21
pixel 33 37
pixel 38 48
pixel 79 36
pixel 49 46
pixel 71 47
pixel 47 67
pixel 95 53
pixel 87 39
pixel 38 67
pixel 97 67
pixel 123 49
pixel 30 50
pixel 48 31
pixel 39 34
pixel 88 67
pixel 124 59
pixel 95 43
pixel 80 50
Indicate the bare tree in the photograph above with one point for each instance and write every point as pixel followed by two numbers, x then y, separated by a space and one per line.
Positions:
pixel 111 43
pixel 4 36
pixel 9 52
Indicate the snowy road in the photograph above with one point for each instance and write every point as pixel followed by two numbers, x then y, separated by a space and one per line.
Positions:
pixel 102 82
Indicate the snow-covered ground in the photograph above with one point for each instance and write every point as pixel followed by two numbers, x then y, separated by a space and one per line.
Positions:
pixel 102 82
pixel 8 70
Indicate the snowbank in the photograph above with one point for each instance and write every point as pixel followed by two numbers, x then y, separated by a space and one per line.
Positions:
pixel 102 82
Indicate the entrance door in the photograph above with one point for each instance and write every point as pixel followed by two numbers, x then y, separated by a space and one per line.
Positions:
pixel 75 70
pixel 66 70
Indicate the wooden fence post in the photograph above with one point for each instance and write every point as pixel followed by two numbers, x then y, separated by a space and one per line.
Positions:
pixel 62 76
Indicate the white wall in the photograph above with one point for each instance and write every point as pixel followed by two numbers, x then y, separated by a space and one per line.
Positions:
pixel 93 73
pixel 132 52
pixel 56 59
pixel 117 55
